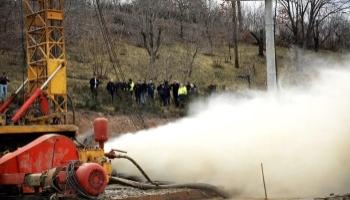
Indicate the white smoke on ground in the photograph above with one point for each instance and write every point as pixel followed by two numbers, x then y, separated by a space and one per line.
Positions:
pixel 301 136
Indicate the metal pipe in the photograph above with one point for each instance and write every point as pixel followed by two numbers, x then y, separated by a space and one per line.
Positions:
pixel 9 100
pixel 22 86
pixel 7 103
pixel 51 77
pixel 21 112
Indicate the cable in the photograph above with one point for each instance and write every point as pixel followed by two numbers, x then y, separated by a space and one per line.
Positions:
pixel 23 48
pixel 73 182
pixel 73 107
pixel 145 186
pixel 108 41
pixel 112 55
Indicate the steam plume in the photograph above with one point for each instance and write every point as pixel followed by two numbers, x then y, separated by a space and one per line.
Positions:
pixel 301 136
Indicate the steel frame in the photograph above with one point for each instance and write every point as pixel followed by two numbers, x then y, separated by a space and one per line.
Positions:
pixel 45 47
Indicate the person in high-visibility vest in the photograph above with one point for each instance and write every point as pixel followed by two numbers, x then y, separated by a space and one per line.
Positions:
pixel 182 94
pixel 131 85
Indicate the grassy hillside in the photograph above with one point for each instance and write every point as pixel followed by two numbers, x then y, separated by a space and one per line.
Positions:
pixel 207 69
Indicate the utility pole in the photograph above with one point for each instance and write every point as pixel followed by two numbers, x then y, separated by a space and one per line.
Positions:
pixel 271 71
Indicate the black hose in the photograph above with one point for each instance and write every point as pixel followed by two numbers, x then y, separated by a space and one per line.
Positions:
pixel 138 167
pixel 73 107
pixel 145 186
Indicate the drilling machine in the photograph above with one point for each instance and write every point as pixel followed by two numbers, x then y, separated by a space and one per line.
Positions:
pixel 38 153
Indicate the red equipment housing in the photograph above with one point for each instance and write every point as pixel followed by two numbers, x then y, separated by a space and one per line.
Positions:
pixel 101 131
pixel 92 178
pixel 46 152
pixel 28 168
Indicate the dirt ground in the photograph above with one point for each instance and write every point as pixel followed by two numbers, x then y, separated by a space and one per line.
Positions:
pixel 118 124
pixel 118 192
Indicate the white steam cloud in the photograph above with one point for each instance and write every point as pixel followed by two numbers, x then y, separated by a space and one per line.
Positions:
pixel 301 136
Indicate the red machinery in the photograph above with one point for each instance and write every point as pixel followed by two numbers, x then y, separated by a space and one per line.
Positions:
pixel 50 164
pixel 38 155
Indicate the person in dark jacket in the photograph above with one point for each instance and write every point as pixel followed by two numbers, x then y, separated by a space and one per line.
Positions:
pixel 150 89
pixel 166 93
pixel 138 91
pixel 143 92
pixel 111 89
pixel 175 89
pixel 94 83
pixel 160 90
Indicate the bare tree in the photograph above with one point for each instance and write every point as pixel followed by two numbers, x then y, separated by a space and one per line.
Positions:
pixel 191 52
pixel 152 39
pixel 208 16
pixel 254 22
pixel 149 15
pixel 236 27
pixel 302 17
pixel 182 6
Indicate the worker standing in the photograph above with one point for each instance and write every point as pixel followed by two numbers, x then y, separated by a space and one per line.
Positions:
pixel 138 92
pixel 182 95
pixel 150 89
pixel 144 92
pixel 175 89
pixel 94 83
pixel 131 86
pixel 111 89
pixel 4 80
pixel 160 91
pixel 166 93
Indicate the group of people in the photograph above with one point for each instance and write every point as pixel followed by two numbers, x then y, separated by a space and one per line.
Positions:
pixel 4 80
pixel 147 91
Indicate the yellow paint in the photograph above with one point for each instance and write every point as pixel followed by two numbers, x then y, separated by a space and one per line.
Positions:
pixel 96 155
pixel 58 84
pixel 2 119
pixel 46 53
pixel 39 129
pixel 55 15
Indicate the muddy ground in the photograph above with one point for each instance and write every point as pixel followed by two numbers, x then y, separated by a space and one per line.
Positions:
pixel 118 124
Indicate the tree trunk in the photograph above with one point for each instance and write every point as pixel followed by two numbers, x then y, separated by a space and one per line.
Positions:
pixel 261 43
pixel 240 18
pixel 181 29
pixel 235 32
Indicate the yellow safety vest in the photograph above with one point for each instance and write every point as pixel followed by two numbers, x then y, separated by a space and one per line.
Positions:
pixel 132 85
pixel 182 90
